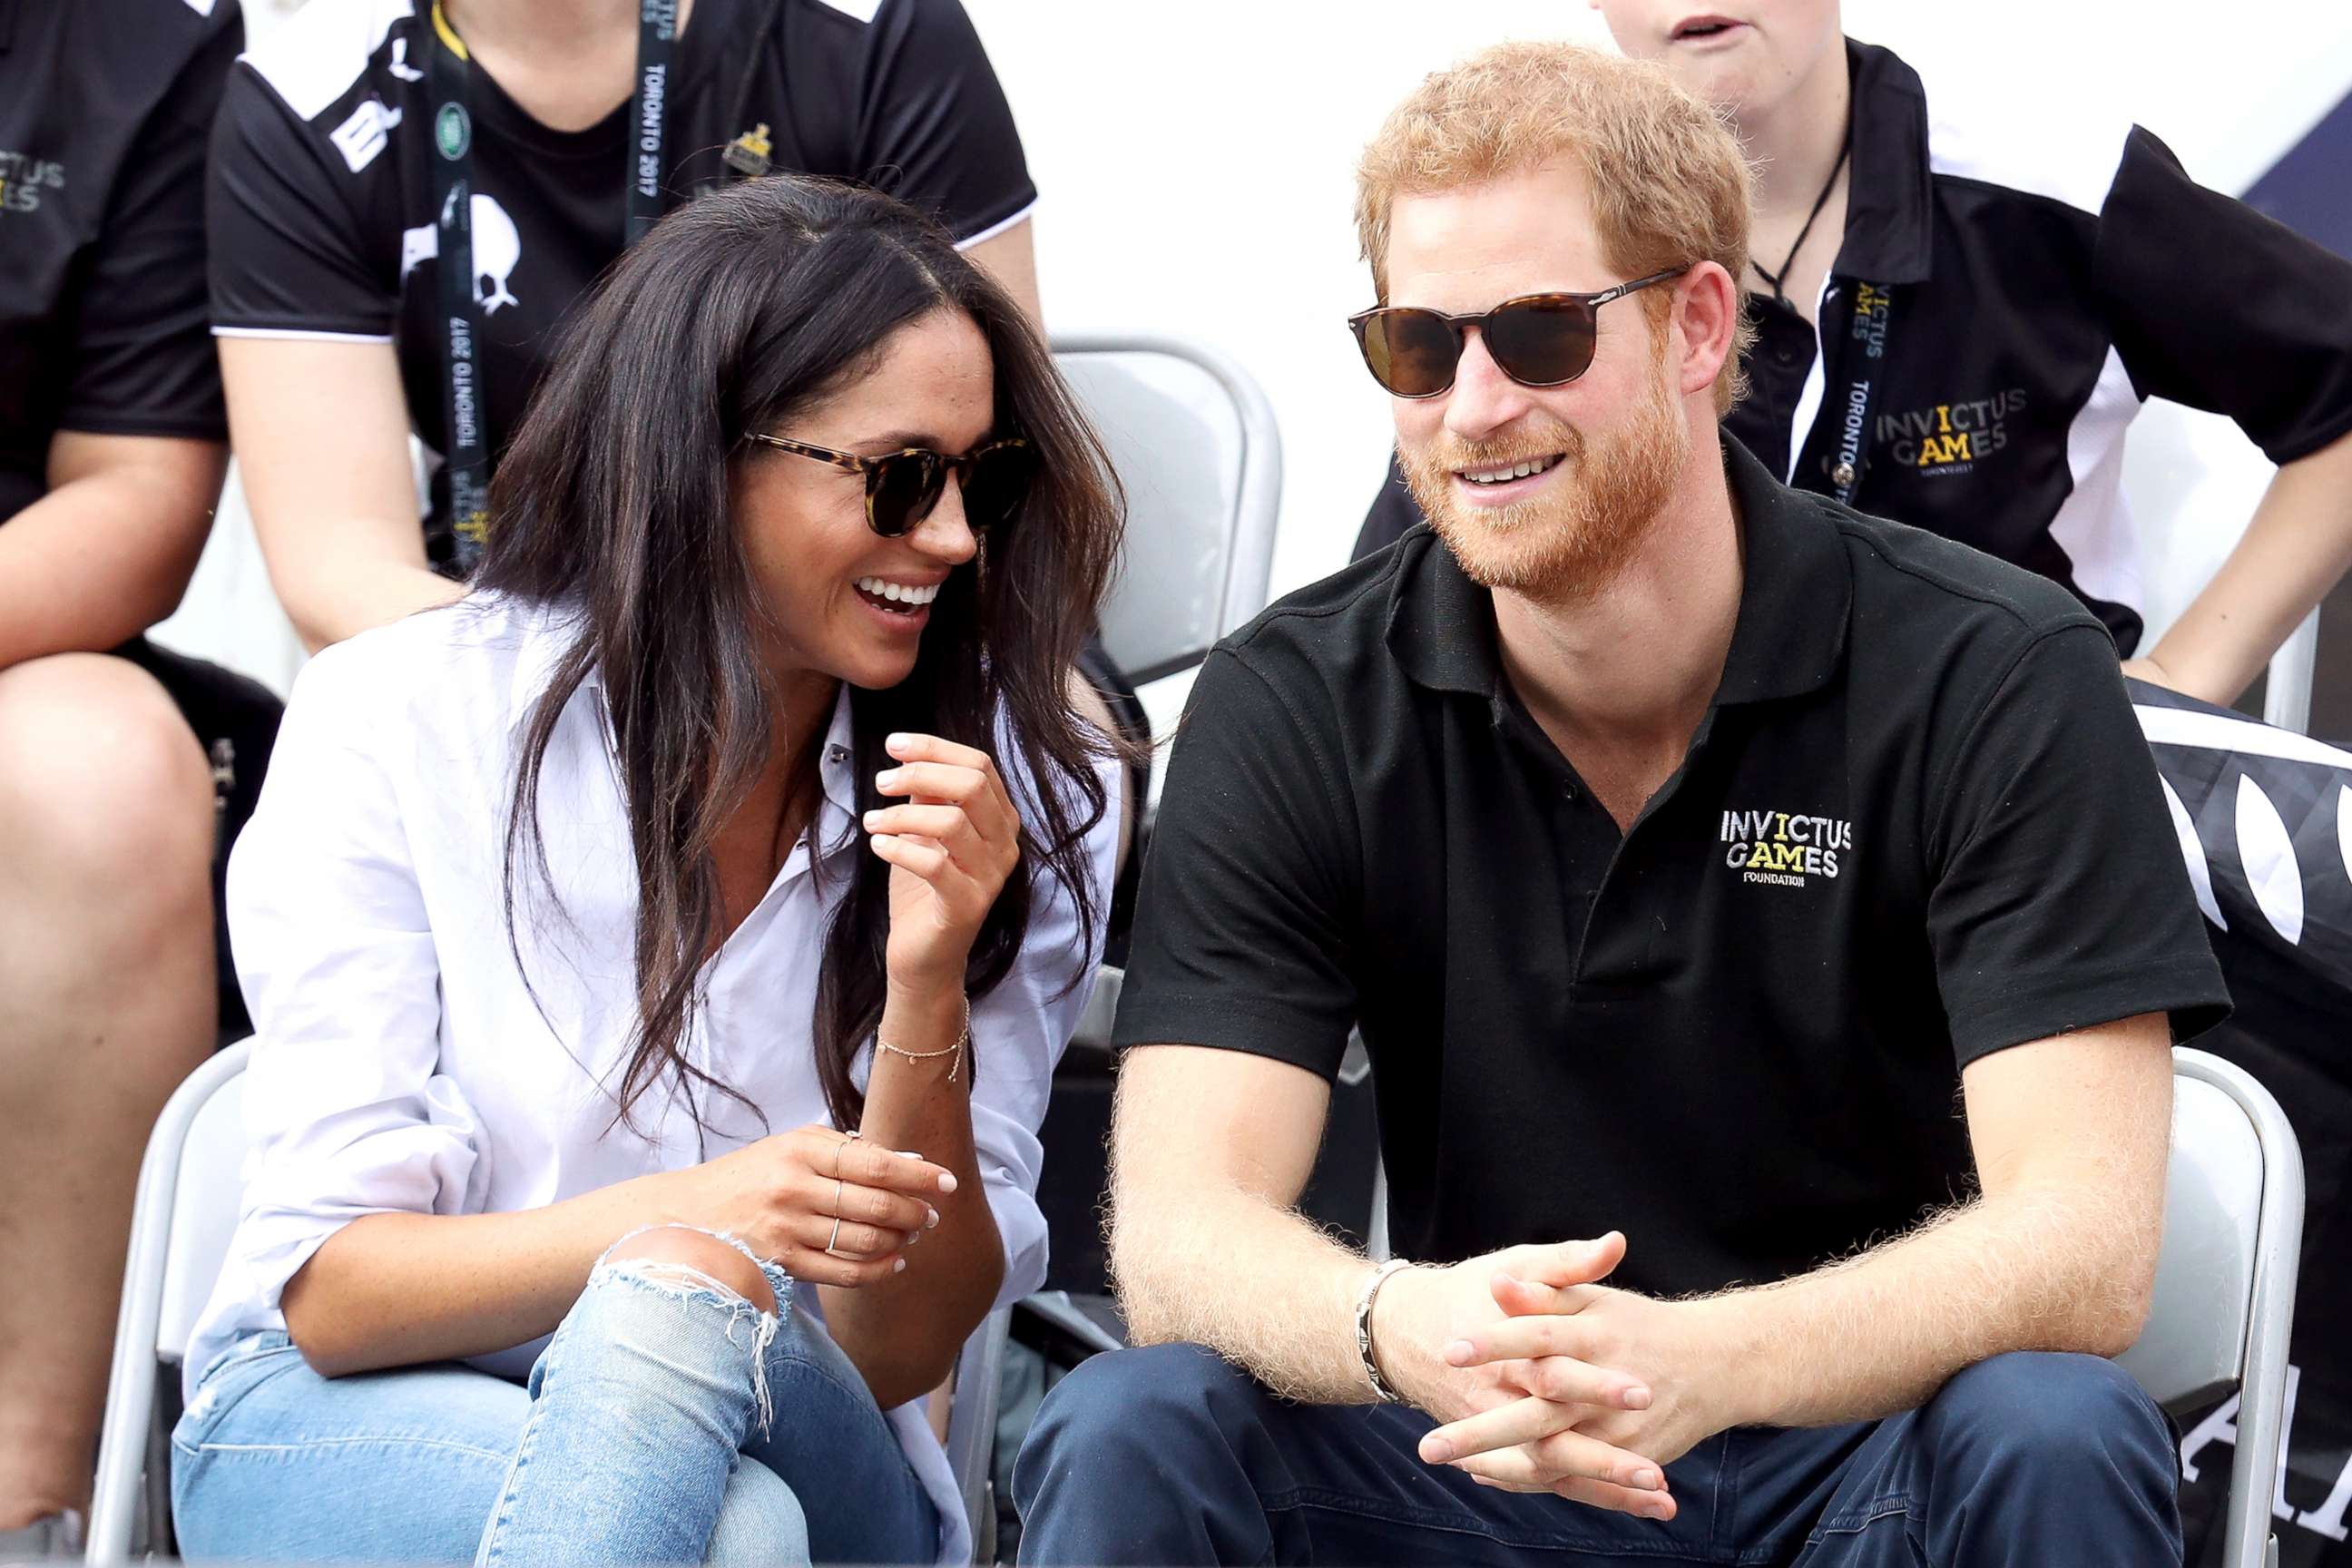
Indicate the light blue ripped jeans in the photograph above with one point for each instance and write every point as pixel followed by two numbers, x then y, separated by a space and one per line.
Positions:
pixel 669 1421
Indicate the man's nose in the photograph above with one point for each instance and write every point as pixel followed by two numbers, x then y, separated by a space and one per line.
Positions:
pixel 1483 400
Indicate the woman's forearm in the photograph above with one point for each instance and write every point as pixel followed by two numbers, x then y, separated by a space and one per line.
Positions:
pixel 903 1335
pixel 396 1290
pixel 2293 553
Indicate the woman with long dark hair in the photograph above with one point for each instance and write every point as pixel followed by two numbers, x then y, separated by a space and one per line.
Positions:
pixel 659 958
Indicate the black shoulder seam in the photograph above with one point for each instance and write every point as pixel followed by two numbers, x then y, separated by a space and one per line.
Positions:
pixel 1335 786
pixel 1283 612
pixel 2078 615
pixel 1940 792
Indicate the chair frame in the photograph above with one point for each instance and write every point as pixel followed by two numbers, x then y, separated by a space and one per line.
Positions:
pixel 1249 556
pixel 2248 1538
pixel 126 1454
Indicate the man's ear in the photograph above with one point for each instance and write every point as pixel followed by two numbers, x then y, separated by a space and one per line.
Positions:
pixel 1706 307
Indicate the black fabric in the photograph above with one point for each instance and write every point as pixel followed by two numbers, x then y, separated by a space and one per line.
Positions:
pixel 236 721
pixel 1134 726
pixel 1917 825
pixel 2216 306
pixel 104 106
pixel 323 221
pixel 2006 304
pixel 2262 806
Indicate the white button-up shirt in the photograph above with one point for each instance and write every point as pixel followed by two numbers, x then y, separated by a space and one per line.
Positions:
pixel 401 1063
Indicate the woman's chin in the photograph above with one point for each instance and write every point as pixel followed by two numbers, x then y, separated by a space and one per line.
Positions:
pixel 874 670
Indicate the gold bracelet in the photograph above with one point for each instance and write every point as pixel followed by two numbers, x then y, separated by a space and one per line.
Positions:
pixel 955 1051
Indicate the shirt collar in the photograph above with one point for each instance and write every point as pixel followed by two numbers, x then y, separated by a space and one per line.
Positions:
pixel 550 630
pixel 836 768
pixel 1796 595
pixel 1888 209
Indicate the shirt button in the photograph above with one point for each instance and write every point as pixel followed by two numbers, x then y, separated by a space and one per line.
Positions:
pixel 836 753
pixel 1785 354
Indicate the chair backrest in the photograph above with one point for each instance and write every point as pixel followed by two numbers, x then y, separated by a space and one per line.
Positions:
pixel 1193 442
pixel 2234 1172
pixel 204 1212
pixel 181 1221
pixel 2195 1342
pixel 2225 1277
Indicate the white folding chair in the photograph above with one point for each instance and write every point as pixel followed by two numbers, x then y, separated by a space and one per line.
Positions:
pixel 1193 442
pixel 2225 1279
pixel 189 1185
pixel 972 1427
pixel 179 1228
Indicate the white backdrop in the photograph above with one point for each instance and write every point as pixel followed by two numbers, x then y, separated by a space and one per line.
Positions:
pixel 1195 165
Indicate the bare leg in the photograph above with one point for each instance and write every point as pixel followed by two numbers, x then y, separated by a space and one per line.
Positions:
pixel 106 1001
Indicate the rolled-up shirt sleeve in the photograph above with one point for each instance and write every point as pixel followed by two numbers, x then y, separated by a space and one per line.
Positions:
pixel 1018 1032
pixel 345 1109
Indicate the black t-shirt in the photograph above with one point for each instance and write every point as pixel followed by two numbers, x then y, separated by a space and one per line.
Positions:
pixel 103 110
pixel 322 206
pixel 2038 289
pixel 1918 825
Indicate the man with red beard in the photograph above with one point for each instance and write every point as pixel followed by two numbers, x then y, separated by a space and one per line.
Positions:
pixel 1687 848
pixel 1959 310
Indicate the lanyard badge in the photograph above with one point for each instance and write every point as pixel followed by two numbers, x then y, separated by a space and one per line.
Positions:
pixel 465 457
pixel 1865 349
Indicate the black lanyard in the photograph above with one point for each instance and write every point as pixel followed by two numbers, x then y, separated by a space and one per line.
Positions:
pixel 465 457
pixel 1867 339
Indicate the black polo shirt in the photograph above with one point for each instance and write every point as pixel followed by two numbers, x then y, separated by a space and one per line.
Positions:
pixel 2036 289
pixel 321 181
pixel 1918 825
pixel 104 107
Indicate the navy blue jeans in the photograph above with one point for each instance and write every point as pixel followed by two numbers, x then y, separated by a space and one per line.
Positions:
pixel 1170 1456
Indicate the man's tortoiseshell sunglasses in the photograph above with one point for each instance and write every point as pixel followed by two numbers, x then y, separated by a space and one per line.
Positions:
pixel 1536 339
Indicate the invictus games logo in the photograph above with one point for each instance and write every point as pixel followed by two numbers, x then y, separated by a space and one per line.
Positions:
pixel 452 131
pixel 1784 849
pixel 1950 437
pixel 23 177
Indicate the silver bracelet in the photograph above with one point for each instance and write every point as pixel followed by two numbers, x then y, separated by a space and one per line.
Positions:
pixel 1364 1329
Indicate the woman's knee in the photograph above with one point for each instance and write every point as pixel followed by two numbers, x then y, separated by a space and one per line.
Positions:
pixel 683 1258
pixel 760 1522
pixel 101 780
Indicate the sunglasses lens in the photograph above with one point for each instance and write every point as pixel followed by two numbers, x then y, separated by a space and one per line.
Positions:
pixel 901 490
pixel 1542 343
pixel 1411 353
pixel 995 485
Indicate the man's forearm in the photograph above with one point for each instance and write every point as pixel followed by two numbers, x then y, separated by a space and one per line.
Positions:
pixel 95 562
pixel 1259 1285
pixel 2294 551
pixel 1880 1332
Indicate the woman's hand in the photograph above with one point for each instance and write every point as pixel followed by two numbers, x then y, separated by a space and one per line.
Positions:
pixel 792 1196
pixel 951 849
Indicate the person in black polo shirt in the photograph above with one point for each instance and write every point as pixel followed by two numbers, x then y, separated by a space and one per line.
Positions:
pixel 332 160
pixel 1959 313
pixel 1764 922
pixel 123 768
pixel 569 125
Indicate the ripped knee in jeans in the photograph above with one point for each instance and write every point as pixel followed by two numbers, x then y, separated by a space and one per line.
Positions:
pixel 691 1263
